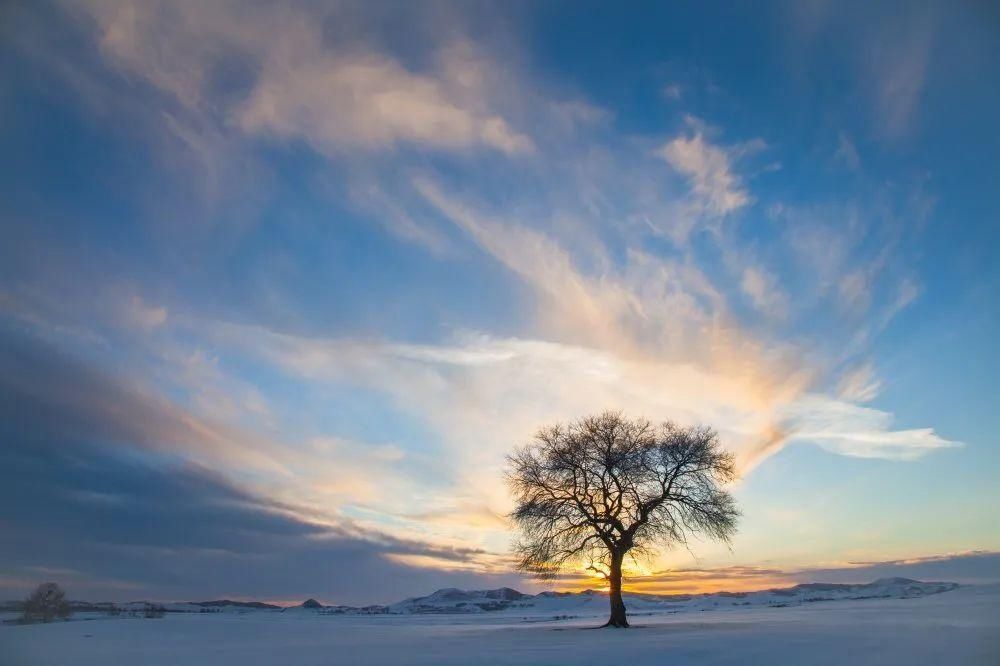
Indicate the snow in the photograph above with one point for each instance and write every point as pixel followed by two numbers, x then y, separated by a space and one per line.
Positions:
pixel 956 626
pixel 454 601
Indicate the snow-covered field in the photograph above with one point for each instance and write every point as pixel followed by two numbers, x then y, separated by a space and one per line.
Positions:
pixel 959 626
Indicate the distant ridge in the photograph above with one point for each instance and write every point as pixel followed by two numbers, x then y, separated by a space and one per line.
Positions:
pixel 219 603
pixel 450 600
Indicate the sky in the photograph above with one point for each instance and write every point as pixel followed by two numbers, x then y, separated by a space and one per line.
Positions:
pixel 282 284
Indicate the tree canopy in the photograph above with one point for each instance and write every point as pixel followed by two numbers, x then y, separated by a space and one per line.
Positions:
pixel 606 487
pixel 46 603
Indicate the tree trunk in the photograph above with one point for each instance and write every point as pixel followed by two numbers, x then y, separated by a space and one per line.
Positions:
pixel 617 618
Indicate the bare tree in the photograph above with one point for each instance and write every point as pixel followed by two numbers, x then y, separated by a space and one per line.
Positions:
pixel 46 603
pixel 607 487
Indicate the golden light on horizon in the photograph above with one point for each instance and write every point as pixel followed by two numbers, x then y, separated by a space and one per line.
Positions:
pixel 645 579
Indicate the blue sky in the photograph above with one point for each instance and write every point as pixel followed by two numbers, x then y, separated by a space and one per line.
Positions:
pixel 281 285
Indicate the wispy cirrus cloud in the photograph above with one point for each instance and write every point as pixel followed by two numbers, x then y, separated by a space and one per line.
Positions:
pixel 898 66
pixel 849 429
pixel 709 168
pixel 847 152
pixel 372 101
pixel 288 81
pixel 889 53
pixel 762 288
pixel 860 384
pixel 462 388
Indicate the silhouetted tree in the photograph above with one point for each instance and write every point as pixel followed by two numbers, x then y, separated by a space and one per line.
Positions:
pixel 46 603
pixel 607 487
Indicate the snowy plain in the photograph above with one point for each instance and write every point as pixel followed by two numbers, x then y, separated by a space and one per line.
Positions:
pixel 960 626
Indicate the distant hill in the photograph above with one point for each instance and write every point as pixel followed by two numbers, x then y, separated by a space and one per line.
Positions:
pixel 452 600
pixel 236 604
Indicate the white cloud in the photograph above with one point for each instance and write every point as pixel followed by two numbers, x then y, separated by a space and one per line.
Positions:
pixel 496 392
pixel 854 290
pixel 891 51
pixel 753 392
pixel 860 384
pixel 303 87
pixel 653 339
pixel 336 472
pixel 483 395
pixel 907 292
pixel 762 288
pixel 862 432
pixel 709 171
pixel 897 64
pixel 140 315
pixel 366 101
pixel 667 307
pixel 847 152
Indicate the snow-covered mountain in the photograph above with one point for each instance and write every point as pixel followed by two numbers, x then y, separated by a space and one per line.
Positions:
pixel 452 601
pixel 455 601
